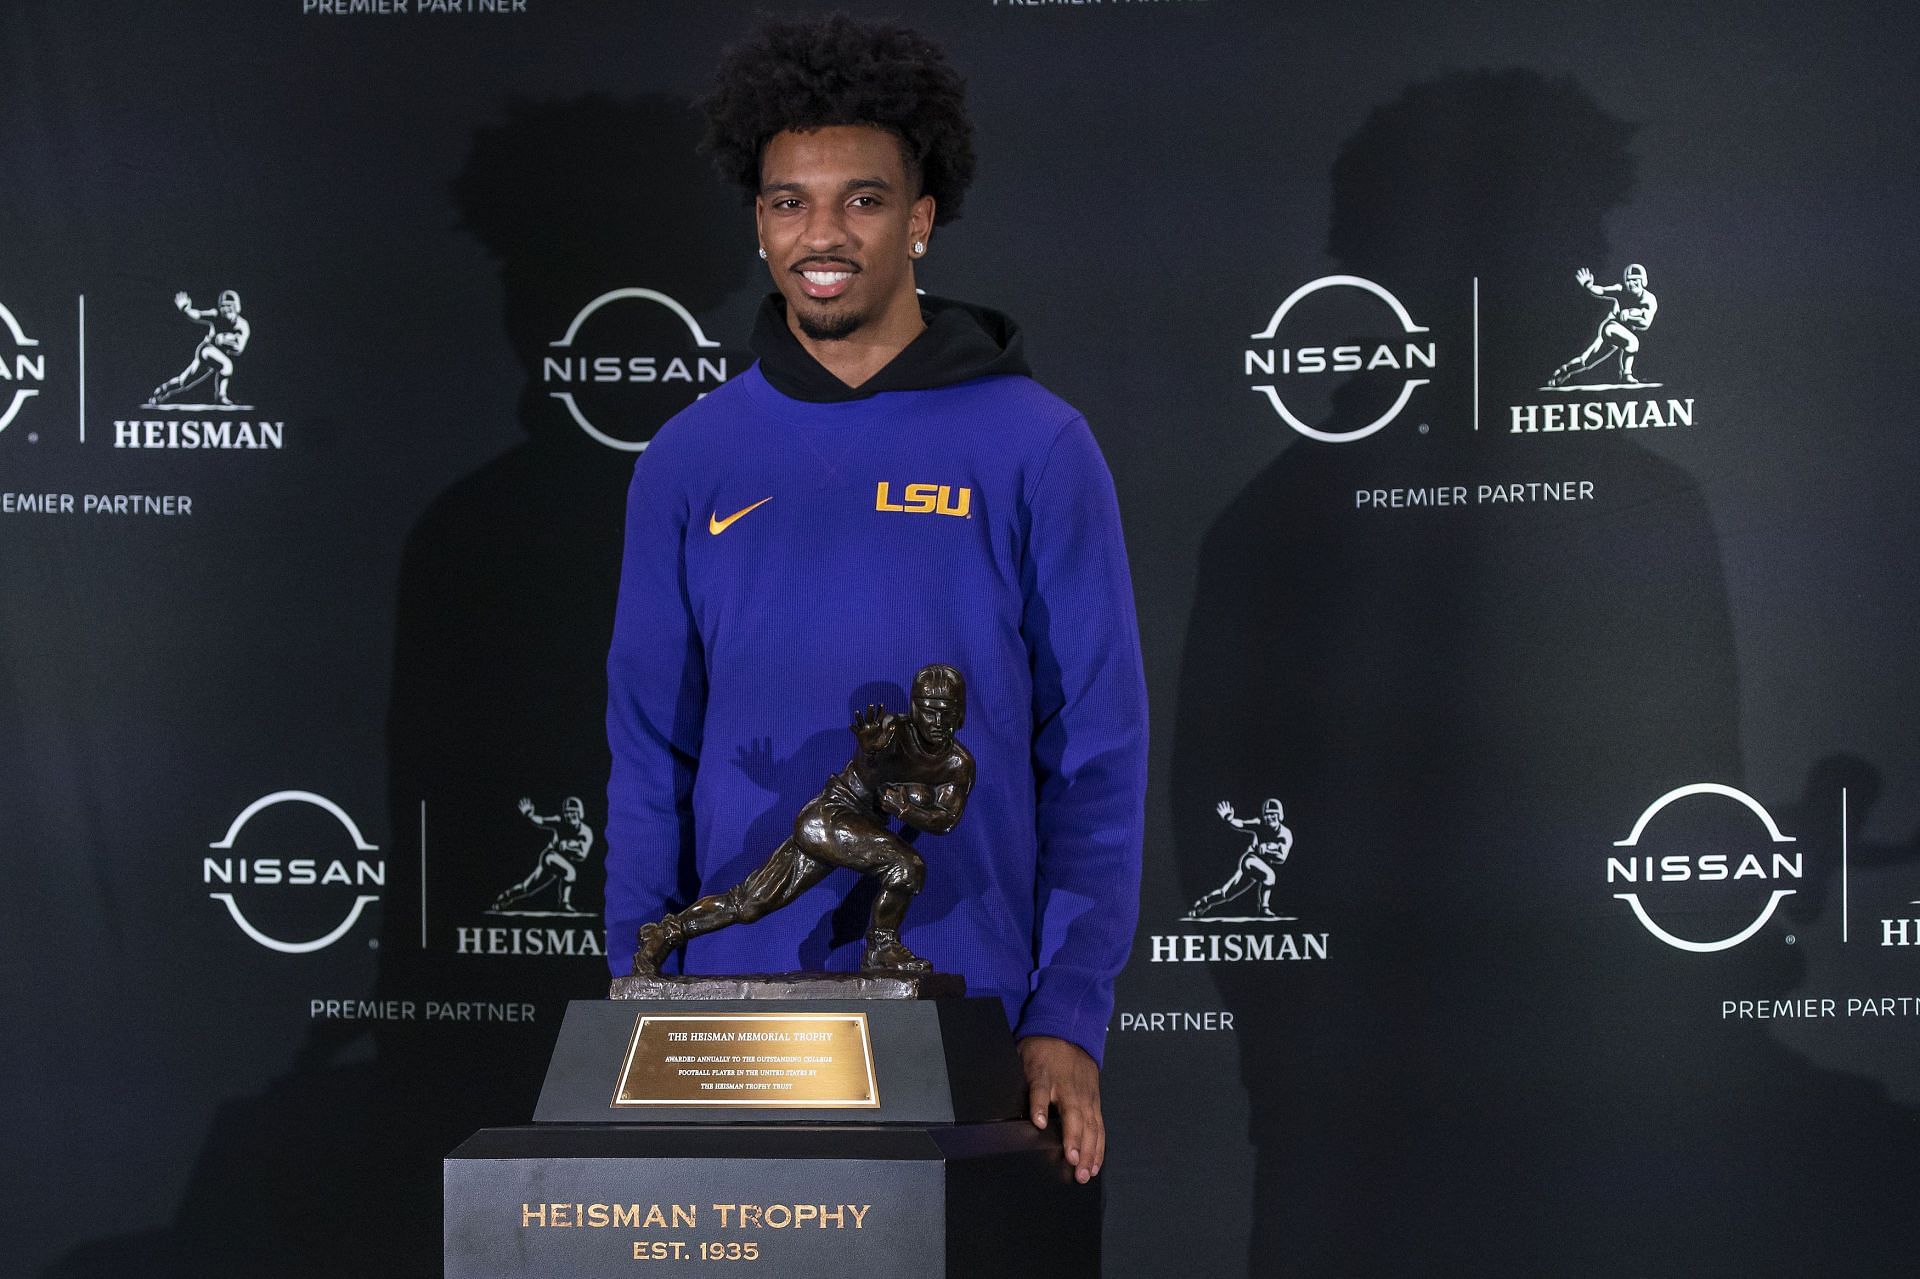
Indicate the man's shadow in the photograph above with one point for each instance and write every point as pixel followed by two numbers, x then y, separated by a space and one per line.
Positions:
pixel 505 611
pixel 508 582
pixel 1461 708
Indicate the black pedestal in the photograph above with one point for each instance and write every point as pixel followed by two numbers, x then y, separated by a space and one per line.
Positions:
pixel 834 1201
pixel 935 1175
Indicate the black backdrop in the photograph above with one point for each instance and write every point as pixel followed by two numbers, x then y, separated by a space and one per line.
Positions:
pixel 1468 1051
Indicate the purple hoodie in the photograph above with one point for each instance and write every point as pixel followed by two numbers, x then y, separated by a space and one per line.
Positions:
pixel 965 517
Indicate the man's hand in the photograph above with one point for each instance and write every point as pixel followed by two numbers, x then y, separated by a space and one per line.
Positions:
pixel 1583 277
pixel 182 301
pixel 1062 1075
pixel 526 807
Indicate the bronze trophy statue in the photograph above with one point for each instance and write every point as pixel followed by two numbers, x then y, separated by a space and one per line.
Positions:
pixel 896 1100
pixel 904 766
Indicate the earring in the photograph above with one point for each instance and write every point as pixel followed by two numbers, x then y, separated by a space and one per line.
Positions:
pixel 919 247
pixel 763 255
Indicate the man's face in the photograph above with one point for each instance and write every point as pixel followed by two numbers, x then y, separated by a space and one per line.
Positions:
pixel 1636 283
pixel 838 215
pixel 229 308
pixel 935 716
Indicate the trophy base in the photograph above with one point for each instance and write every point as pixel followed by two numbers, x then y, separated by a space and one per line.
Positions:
pixel 907 1061
pixel 559 1201
pixel 677 1131
pixel 783 986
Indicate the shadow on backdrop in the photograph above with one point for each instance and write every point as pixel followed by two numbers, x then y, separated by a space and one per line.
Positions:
pixel 1496 1070
pixel 506 599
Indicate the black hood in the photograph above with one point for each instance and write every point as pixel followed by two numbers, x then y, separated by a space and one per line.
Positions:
pixel 961 342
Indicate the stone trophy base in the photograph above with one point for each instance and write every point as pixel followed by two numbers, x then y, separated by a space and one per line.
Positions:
pixel 667 1131
pixel 796 1201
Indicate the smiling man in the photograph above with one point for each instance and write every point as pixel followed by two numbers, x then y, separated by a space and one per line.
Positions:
pixel 885 487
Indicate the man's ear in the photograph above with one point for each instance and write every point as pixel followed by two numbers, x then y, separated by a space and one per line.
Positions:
pixel 920 221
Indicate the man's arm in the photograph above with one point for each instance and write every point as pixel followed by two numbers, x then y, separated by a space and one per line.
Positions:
pixel 1090 765
pixel 656 702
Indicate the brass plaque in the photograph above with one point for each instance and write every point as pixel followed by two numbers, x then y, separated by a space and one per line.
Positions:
pixel 757 1059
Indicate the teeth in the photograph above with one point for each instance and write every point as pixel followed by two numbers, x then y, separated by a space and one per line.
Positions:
pixel 827 277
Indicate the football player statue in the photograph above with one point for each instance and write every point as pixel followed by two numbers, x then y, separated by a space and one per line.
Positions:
pixel 904 766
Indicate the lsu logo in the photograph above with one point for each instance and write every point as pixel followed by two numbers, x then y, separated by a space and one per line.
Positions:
pixel 925 499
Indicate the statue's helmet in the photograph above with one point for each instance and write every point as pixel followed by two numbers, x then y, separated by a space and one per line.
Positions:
pixel 573 808
pixel 942 681
pixel 1636 274
pixel 229 296
pixel 1272 809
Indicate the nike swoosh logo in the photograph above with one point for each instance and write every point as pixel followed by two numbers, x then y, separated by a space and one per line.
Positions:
pixel 717 526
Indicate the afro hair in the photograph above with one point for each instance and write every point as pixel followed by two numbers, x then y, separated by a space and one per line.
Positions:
pixel 834 71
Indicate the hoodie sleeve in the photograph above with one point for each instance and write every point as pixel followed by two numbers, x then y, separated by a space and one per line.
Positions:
pixel 656 705
pixel 1089 745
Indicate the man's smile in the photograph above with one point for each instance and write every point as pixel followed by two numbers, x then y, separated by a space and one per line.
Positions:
pixel 825 279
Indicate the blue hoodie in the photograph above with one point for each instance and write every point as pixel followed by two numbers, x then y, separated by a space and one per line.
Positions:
pixel 791 543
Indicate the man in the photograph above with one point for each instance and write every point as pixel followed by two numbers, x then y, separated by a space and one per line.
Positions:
pixel 886 484
pixel 225 339
pixel 907 767
pixel 569 841
pixel 1632 315
pixel 1259 865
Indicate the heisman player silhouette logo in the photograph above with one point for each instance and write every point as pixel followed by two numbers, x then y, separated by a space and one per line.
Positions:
pixel 224 341
pixel 1631 315
pixel 569 841
pixel 1268 844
